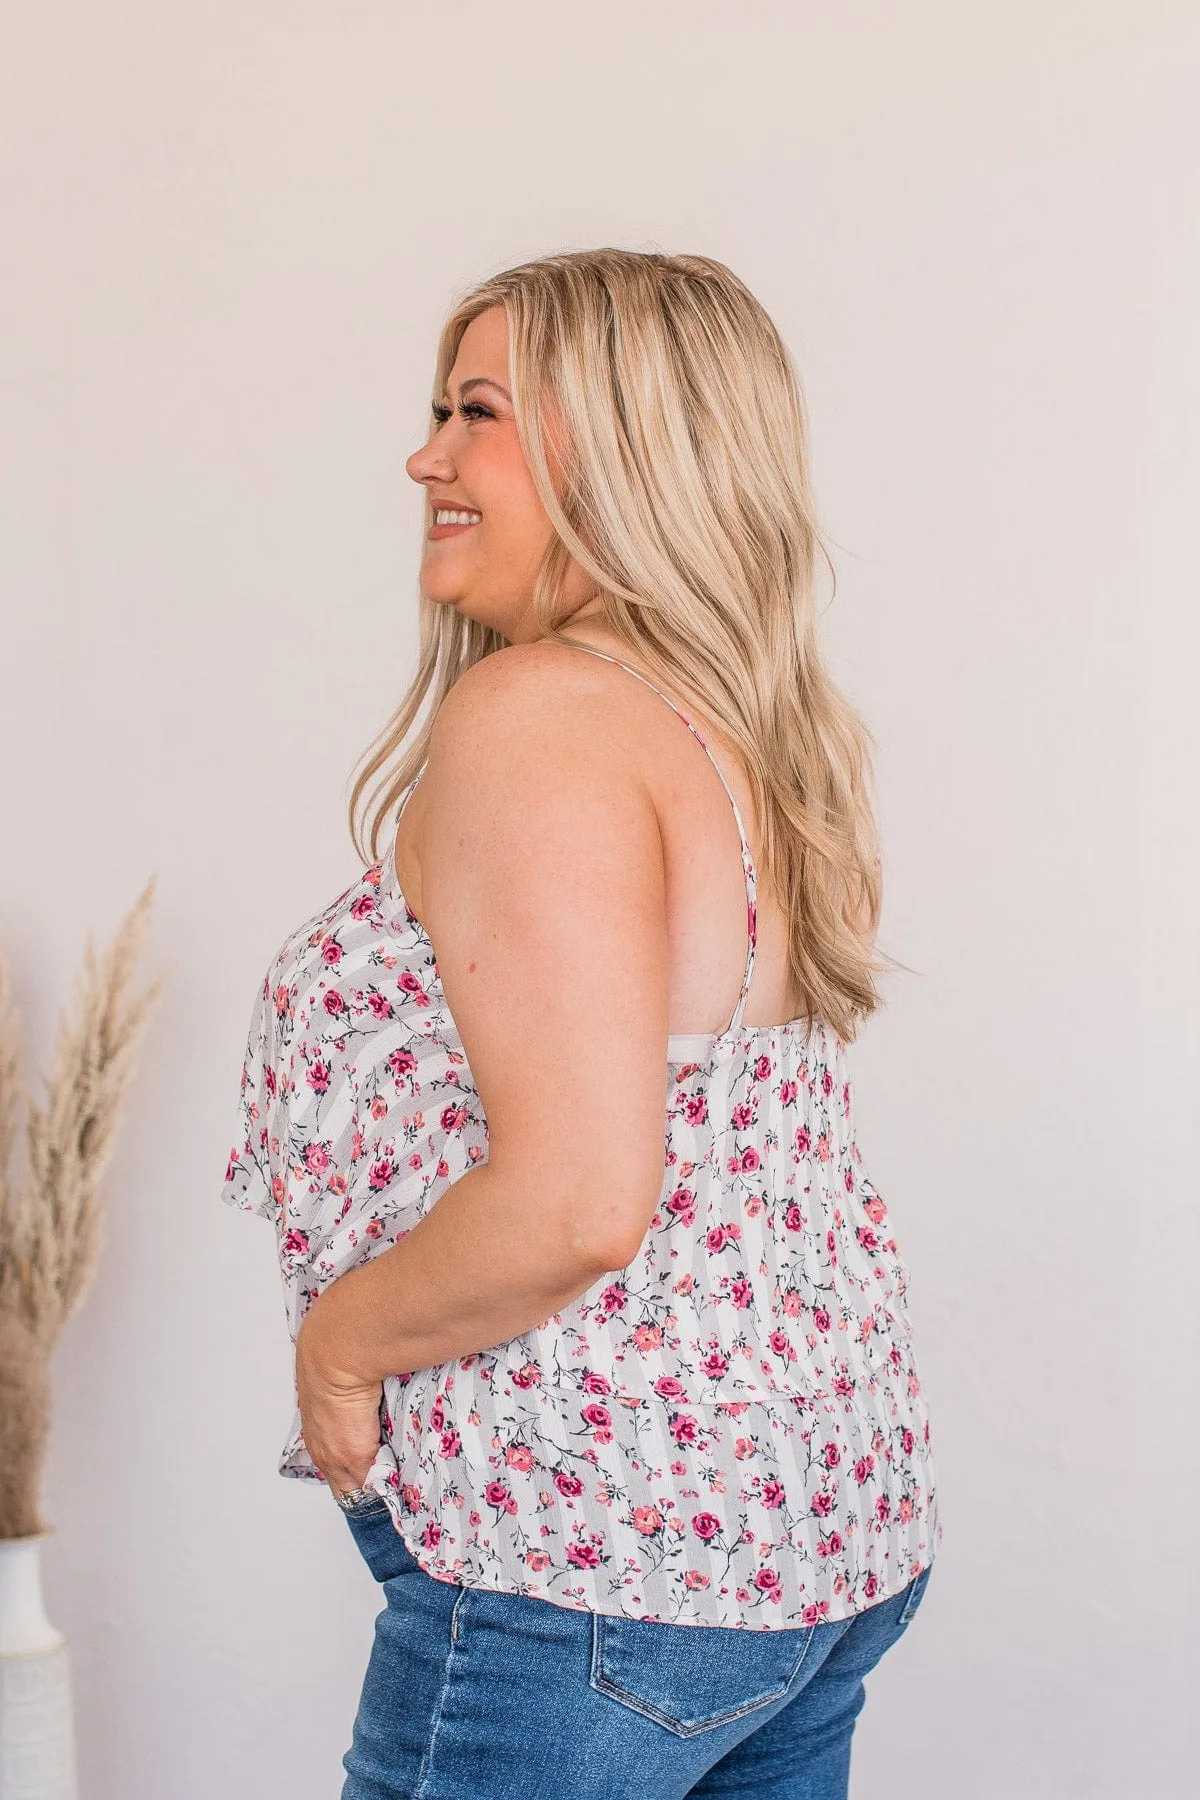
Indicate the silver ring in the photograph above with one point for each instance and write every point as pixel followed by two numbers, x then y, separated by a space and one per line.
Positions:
pixel 353 1497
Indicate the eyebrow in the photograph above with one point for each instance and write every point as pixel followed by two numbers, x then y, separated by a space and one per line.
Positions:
pixel 475 381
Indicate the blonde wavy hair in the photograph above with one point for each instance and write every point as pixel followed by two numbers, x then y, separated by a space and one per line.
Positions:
pixel 681 486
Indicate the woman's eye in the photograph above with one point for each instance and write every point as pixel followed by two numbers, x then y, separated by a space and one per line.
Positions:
pixel 470 409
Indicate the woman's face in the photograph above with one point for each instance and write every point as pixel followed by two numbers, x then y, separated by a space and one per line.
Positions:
pixel 474 464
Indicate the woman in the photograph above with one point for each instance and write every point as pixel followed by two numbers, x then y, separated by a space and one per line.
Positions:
pixel 636 1448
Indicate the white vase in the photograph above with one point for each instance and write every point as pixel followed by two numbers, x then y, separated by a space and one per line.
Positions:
pixel 37 1738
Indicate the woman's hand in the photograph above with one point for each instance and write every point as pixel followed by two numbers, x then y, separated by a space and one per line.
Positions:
pixel 339 1413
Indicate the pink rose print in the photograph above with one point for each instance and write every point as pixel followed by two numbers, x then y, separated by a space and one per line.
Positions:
pixel 682 1204
pixel 767 1582
pixel 318 1075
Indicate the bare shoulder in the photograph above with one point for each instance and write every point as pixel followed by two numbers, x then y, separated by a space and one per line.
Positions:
pixel 524 687
pixel 529 727
pixel 529 740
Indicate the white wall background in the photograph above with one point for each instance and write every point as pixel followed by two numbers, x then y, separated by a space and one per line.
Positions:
pixel 229 235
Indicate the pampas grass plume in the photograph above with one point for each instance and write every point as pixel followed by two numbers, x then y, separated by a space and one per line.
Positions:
pixel 51 1218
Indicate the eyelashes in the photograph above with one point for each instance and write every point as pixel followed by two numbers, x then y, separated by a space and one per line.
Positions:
pixel 470 409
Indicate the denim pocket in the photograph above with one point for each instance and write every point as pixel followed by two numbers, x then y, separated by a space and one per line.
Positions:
pixel 379 1540
pixel 916 1593
pixel 691 1678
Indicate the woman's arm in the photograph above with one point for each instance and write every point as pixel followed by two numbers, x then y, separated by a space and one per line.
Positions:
pixel 543 889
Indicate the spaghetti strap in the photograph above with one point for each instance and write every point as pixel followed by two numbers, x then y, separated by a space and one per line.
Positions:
pixel 747 860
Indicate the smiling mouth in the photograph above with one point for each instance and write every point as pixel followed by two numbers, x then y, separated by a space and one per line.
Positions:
pixel 451 524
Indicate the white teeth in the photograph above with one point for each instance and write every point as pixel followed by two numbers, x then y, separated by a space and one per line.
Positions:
pixel 457 518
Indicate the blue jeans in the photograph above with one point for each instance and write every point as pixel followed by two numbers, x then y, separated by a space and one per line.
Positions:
pixel 473 1695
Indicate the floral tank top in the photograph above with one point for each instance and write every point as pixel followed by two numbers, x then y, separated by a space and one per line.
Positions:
pixel 731 1430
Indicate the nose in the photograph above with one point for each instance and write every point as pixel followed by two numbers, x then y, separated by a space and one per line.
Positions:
pixel 431 463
